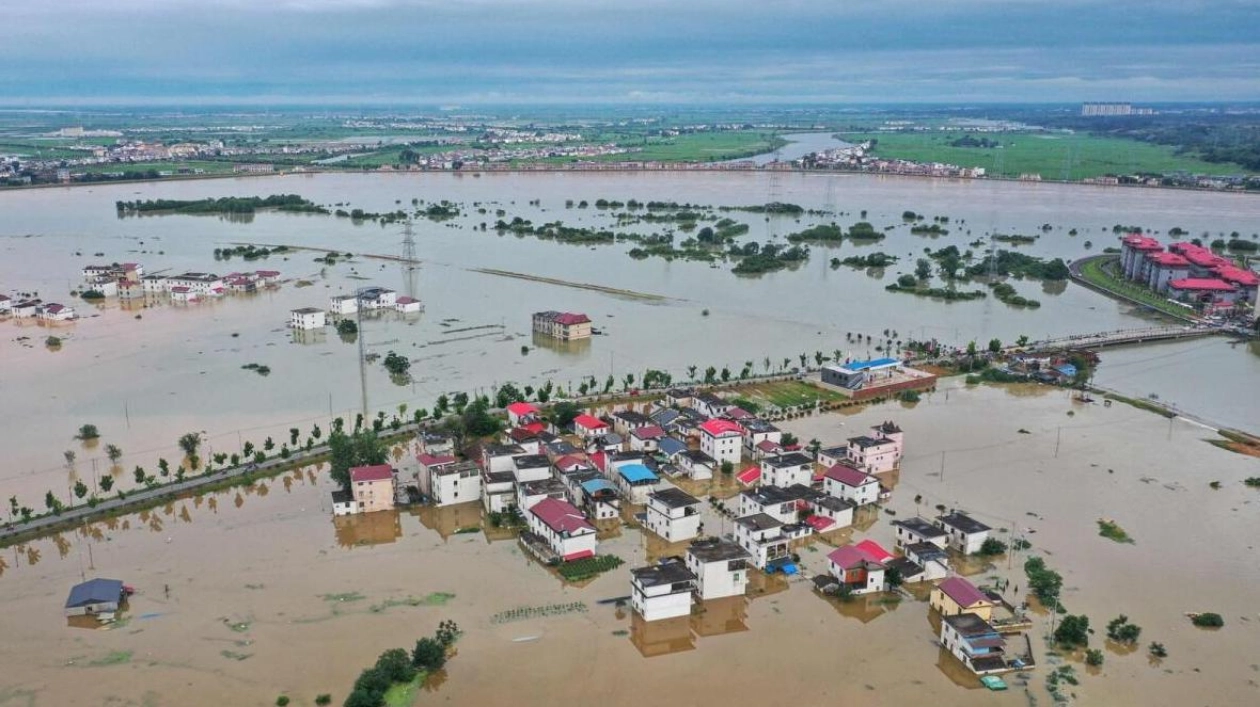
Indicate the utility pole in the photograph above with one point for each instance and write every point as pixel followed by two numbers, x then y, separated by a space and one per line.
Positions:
pixel 1058 437
pixel 942 466
pixel 358 313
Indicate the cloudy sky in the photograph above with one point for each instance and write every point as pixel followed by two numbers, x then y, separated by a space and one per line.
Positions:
pixel 646 51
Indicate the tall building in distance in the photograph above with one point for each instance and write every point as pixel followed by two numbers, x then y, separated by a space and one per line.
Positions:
pixel 1113 109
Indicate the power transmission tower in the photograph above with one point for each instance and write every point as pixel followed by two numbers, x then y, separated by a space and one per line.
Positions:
pixel 358 313
pixel 773 188
pixel 409 264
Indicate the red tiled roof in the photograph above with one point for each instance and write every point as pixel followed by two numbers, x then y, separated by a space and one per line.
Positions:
pixel 405 300
pixel 379 472
pixel 521 408
pixel 569 318
pixel 873 551
pixel 600 460
pixel 579 555
pixel 717 428
pixel 963 593
pixel 1201 283
pixel 570 461
pixel 737 413
pixel 1238 276
pixel 749 476
pixel 1140 242
pixel 431 460
pixel 847 557
pixel 766 445
pixel 1168 260
pixel 590 422
pixel 534 427
pixel 649 432
pixel 819 523
pixel 849 476
pixel 560 516
pixel 268 273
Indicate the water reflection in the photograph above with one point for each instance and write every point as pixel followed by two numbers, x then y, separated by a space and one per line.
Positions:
pixel 957 673
pixel 718 617
pixel 379 528
pixel 306 337
pixel 664 637
pixel 865 608
pixel 458 519
pixel 577 347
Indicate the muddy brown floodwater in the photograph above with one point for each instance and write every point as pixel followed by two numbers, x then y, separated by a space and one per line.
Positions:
pixel 269 595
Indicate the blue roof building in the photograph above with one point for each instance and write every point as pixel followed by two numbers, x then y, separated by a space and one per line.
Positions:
pixel 94 596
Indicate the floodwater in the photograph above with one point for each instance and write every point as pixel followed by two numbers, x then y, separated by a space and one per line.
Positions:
pixel 264 585
pixel 146 376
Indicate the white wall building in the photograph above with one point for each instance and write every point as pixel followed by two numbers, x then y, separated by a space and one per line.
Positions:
pixel 845 482
pixel 673 514
pixel 963 533
pixel 720 567
pixel 722 440
pixel 787 469
pixel 563 527
pixel 307 318
pixel 457 482
pixel 663 590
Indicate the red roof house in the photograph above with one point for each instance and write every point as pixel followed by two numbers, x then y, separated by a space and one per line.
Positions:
pixel 721 428
pixel 589 425
pixel 378 472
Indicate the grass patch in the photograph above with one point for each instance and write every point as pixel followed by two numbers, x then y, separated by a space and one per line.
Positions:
pixel 233 655
pixel 533 612
pixel 403 694
pixel 1207 620
pixel 113 658
pixel 1142 405
pixel 434 599
pixel 1110 530
pixel 790 393
pixel 1082 155
pixel 581 570
pixel 1098 272
pixel 237 626
pixel 344 596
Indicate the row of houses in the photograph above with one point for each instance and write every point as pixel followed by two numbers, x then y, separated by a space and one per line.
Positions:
pixel 1188 273
pixel 35 309
pixel 372 299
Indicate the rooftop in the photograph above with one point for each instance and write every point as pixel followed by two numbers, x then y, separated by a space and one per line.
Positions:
pixel 759 521
pixel 308 310
pixel 503 450
pixel 765 495
pixel 717 550
pixel 340 496
pixel 636 473
pixel 673 498
pixel 849 476
pixel 925 552
pixel 531 461
pixel 590 422
pixel 465 467
pixel 963 593
pixel 963 522
pixel 1168 260
pixel 866 442
pixel 920 527
pixel 969 625
pixel 1141 242
pixel 648 432
pixel 855 366
pixel 561 516
pixel 788 460
pixel 848 556
pixel 597 485
pixel 95 591
pixel 1201 283
pixel 668 571
pixel 434 459
pixel 522 408
pixel 873 551
pixel 378 472
pixel 543 487
pixel 632 417
pixel 718 427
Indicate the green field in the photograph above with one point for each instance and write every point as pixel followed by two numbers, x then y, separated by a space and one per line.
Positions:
pixel 1035 153
pixel 789 393
pixel 1097 272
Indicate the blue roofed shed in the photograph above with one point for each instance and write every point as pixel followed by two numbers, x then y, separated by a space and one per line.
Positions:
pixel 636 474
pixel 595 486
pixel 94 596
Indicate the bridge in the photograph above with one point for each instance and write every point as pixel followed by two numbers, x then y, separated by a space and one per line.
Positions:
pixel 1123 337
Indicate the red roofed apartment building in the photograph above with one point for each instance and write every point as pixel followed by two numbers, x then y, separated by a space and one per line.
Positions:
pixel 565 326
pixel 722 440
pixel 563 527
pixel 373 487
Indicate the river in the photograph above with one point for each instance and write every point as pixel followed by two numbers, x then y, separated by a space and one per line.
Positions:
pixel 146 377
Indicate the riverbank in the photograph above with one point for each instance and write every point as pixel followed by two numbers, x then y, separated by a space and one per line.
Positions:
pixel 1092 272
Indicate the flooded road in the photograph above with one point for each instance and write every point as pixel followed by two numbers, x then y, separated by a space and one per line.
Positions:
pixel 263 584
pixel 145 381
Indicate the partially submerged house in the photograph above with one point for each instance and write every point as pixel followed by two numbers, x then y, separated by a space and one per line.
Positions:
pixel 95 597
pixel 955 596
pixel 720 567
pixel 963 533
pixel 844 481
pixel 858 568
pixel 673 514
pixel 663 590
pixel 787 469
pixel 917 530
pixel 373 487
pixel 563 527
pixel 978 645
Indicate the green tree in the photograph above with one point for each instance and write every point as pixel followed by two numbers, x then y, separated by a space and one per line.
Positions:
pixel 922 269
pixel 995 345
pixel 971 348
pixel 80 489
pixel 1093 657
pixel 107 483
pixel 269 444
pixel 562 414
pixel 87 433
pixel 113 452
pixel 396 665
pixel 691 372
pixel 429 655
pixel 728 468
pixel 726 374
pixel 1022 341
pixel 294 433
pixel 1073 631
pixel 348 451
pixel 506 395
pixel 190 443
pixel 440 405
pixel 51 502
pixel 907 282
pixel 992 546
pixel 1120 630
pixel 141 476
pixel 70 456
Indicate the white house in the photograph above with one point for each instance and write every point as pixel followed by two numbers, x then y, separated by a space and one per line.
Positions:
pixel 183 295
pixel 679 397
pixel 343 503
pixel 857 570
pixel 203 284
pixel 916 530
pixel 457 482
pixel 932 559
pixel 408 305
pixel 427 464
pixel 498 490
pixel 976 643
pixel 530 467
pixel 710 405
pixel 673 514
pixel 563 527
pixel 963 533
pixel 843 481
pixel 757 432
pixel 25 309
pixel 878 452
pixel 831 513
pixel 782 504
pixel 531 492
pixel 697 464
pixel 341 305
pixel 588 426
pixel 53 312
pixel 646 438
pixel 763 537
pixel 501 457
pixel 597 495
pixel 720 567
pixel 721 439
pixel 787 469
pixel 307 318
pixel 628 421
pixel 830 456
pixel 635 481
pixel 6 304
pixel 378 298
pixel 663 590
pixel 521 412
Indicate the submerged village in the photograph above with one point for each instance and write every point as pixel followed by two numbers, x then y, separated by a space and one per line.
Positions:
pixel 680 513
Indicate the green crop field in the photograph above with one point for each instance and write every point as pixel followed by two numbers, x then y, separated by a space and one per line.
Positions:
pixel 789 393
pixel 1045 154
